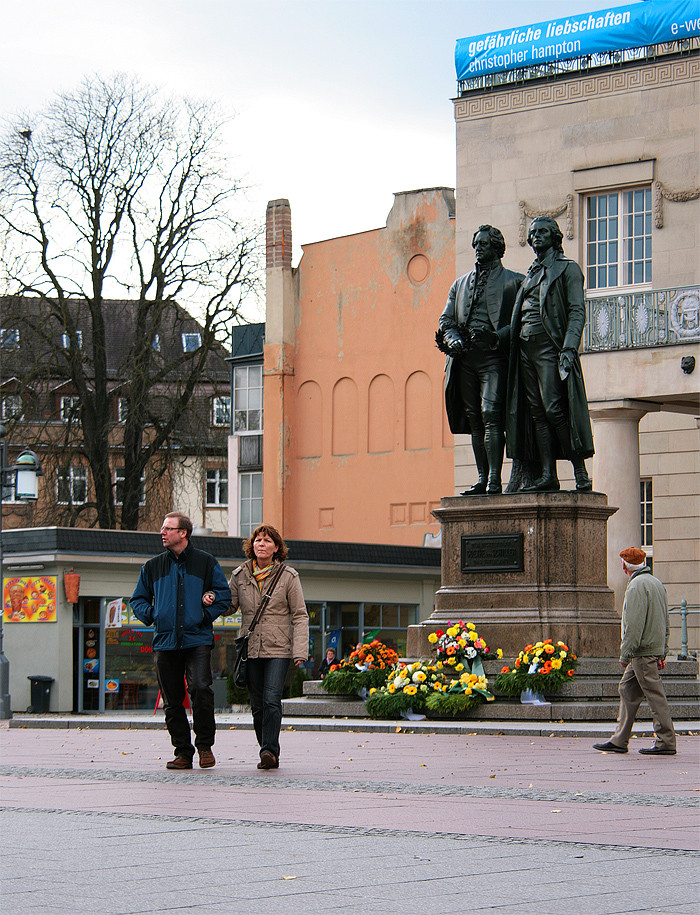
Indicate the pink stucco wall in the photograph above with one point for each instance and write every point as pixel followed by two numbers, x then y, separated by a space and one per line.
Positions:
pixel 366 452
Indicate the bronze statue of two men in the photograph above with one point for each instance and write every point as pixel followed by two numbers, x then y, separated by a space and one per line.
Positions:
pixel 513 373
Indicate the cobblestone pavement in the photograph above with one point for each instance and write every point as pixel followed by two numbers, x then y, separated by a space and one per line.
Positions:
pixel 350 822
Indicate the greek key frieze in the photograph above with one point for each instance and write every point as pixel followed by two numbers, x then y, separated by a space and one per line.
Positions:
pixel 561 92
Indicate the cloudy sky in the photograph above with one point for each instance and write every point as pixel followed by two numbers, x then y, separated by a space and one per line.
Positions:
pixel 338 103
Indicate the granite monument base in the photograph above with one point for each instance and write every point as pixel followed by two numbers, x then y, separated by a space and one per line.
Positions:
pixel 524 567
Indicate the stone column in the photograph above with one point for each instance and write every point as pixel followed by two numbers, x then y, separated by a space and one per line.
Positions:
pixel 616 473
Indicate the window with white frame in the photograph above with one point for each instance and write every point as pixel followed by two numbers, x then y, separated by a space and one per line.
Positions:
pixel 156 342
pixel 65 339
pixel 11 407
pixel 122 409
pixel 119 487
pixel 249 502
pixel 191 342
pixel 9 337
pixel 647 517
pixel 69 407
pixel 221 411
pixel 216 486
pixel 618 238
pixel 248 398
pixel 72 486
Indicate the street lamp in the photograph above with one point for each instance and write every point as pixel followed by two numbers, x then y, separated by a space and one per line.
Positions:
pixel 23 479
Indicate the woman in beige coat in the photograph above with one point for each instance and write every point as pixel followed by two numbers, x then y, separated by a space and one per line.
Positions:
pixel 281 634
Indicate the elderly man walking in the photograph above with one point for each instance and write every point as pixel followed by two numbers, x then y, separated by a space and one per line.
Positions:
pixel 645 631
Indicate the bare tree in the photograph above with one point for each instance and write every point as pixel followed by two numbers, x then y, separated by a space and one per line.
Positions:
pixel 114 195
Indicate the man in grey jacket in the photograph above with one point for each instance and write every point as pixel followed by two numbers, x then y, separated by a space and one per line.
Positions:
pixel 645 631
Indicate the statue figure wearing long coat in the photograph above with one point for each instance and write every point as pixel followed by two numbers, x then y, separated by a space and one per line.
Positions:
pixel 547 409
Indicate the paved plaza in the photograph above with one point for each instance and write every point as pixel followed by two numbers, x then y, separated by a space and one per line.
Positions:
pixel 354 820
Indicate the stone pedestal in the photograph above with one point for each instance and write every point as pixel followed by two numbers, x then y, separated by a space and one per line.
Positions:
pixel 524 567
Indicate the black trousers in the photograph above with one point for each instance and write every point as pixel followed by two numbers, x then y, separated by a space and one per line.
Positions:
pixel 266 678
pixel 545 391
pixel 194 665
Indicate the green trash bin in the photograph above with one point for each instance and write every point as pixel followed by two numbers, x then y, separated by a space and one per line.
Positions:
pixel 40 693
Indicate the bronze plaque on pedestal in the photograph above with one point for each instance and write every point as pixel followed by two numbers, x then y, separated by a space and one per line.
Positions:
pixel 492 553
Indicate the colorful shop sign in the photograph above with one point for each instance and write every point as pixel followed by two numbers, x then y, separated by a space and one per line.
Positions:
pixel 29 600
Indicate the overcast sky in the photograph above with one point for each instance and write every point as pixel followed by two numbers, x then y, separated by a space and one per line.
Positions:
pixel 339 103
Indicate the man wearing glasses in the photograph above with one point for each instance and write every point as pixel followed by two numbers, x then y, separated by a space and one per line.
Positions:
pixel 180 593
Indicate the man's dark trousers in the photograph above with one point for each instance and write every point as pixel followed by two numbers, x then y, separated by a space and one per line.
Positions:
pixel 172 667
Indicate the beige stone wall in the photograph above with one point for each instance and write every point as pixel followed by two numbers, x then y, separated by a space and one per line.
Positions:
pixel 669 446
pixel 530 143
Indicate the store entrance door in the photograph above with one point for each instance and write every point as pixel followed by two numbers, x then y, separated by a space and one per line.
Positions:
pixel 88 652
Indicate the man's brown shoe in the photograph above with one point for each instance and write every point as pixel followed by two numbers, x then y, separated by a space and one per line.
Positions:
pixel 206 759
pixel 268 760
pixel 180 762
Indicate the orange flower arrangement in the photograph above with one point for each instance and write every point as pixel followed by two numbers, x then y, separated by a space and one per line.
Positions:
pixel 365 667
pixel 543 667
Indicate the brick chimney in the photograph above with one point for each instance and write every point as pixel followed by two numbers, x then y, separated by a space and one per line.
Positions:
pixel 278 234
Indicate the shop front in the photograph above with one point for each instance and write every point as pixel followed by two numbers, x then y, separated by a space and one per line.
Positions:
pixel 98 656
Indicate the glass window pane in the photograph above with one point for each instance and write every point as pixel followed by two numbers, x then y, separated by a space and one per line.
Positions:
pixel 373 616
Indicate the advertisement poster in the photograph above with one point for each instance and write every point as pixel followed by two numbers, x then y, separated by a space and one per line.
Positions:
pixel 29 600
pixel 116 613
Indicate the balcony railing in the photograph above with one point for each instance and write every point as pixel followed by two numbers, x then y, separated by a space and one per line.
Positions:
pixel 557 68
pixel 633 320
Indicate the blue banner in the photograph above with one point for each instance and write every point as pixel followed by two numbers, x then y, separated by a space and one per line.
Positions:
pixel 610 29
pixel 334 641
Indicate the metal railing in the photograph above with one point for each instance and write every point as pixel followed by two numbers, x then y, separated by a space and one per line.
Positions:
pixel 584 64
pixel 684 609
pixel 632 320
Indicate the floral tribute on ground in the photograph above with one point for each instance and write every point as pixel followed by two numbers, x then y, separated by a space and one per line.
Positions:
pixel 407 688
pixel 366 667
pixel 451 685
pixel 542 667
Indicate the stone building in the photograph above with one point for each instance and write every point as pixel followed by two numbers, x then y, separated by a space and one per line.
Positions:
pixel 357 445
pixel 40 407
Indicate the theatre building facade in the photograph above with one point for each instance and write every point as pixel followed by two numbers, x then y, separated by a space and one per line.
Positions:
pixel 609 144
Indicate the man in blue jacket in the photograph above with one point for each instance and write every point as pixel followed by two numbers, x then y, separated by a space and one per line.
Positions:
pixel 180 593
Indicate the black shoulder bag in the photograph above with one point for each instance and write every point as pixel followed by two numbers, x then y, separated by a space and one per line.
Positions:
pixel 240 665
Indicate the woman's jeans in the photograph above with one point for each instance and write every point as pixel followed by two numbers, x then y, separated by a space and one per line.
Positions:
pixel 172 667
pixel 266 678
